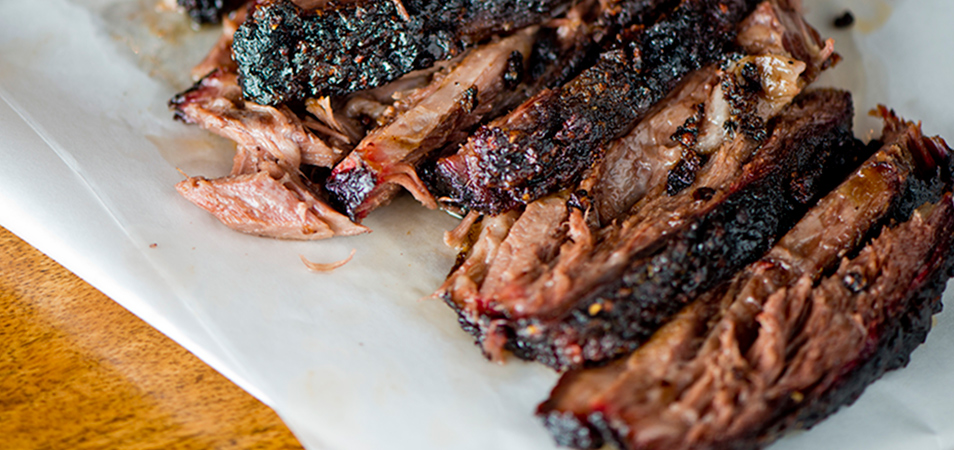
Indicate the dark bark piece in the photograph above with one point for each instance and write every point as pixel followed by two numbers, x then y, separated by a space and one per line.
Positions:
pixel 208 11
pixel 845 20
pixel 285 52
pixel 547 143
pixel 789 352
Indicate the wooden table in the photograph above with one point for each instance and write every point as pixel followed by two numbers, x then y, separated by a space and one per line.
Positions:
pixel 77 371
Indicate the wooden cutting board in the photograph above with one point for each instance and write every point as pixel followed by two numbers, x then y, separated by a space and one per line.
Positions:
pixel 77 371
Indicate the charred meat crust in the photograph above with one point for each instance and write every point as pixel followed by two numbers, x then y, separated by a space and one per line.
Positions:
pixel 208 11
pixel 288 53
pixel 549 141
pixel 811 141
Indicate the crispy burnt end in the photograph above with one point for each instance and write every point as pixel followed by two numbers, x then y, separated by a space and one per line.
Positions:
pixel 285 52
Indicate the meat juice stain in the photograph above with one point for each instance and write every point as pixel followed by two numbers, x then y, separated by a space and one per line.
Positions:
pixel 856 72
pixel 866 16
pixel 877 15
pixel 207 155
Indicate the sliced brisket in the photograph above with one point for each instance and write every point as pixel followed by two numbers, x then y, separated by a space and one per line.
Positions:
pixel 547 143
pixel 610 288
pixel 489 81
pixel 772 350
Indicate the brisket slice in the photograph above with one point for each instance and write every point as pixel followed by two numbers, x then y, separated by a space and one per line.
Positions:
pixel 548 142
pixel 769 351
pixel 266 193
pixel 208 11
pixel 285 52
pixel 440 114
pixel 780 55
pixel 612 287
pixel 500 251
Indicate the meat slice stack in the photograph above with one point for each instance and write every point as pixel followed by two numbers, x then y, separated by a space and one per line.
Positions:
pixel 654 199
pixel 783 346
pixel 405 121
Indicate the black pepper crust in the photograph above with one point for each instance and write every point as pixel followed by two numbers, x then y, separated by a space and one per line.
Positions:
pixel 286 53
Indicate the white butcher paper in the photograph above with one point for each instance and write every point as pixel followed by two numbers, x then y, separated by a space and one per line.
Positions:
pixel 360 358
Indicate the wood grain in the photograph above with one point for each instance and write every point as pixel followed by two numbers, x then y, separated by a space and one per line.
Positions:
pixel 77 371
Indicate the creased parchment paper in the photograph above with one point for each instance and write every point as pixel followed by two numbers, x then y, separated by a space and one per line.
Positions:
pixel 359 358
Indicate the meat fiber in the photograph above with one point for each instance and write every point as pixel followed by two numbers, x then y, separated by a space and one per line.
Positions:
pixel 266 193
pixel 548 142
pixel 215 103
pixel 285 52
pixel 777 349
